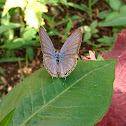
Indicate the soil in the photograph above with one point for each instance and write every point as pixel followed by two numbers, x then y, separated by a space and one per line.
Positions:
pixel 12 71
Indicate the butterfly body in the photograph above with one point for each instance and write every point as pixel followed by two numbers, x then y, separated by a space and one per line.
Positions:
pixel 60 63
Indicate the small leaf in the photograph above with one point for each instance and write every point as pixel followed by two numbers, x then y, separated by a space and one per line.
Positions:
pixel 93 25
pixel 115 4
pixel 2 71
pixel 30 53
pixel 87 28
pixel 6 121
pixel 83 8
pixel 87 36
pixel 29 34
pixel 74 17
pixel 68 27
pixel 13 59
pixel 20 43
pixel 64 2
pixel 103 14
pixel 106 41
pixel 4 28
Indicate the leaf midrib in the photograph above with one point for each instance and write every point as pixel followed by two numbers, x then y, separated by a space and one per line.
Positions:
pixel 30 116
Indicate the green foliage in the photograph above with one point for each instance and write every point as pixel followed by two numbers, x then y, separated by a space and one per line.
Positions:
pixel 29 34
pixel 13 59
pixel 4 28
pixel 116 17
pixel 2 71
pixel 115 20
pixel 90 31
pixel 6 121
pixel 30 53
pixel 106 41
pixel 32 10
pixel 115 4
pixel 83 99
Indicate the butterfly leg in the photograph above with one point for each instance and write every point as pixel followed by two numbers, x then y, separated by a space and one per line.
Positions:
pixel 52 81
pixel 64 80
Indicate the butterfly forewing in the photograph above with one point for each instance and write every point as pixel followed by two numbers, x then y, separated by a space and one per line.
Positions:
pixel 46 44
pixel 72 44
pixel 68 52
pixel 48 50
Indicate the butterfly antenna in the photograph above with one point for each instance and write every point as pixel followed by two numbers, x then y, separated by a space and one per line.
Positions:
pixel 52 81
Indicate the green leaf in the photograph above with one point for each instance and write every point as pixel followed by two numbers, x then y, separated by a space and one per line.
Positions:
pixel 68 27
pixel 6 121
pixel 93 25
pixel 115 4
pixel 87 36
pixel 74 17
pixel 63 21
pixel 106 41
pixel 83 7
pixel 13 59
pixel 123 9
pixel 30 53
pixel 94 2
pixel 104 14
pixel 63 2
pixel 2 71
pixel 4 28
pixel 19 43
pixel 110 16
pixel 119 20
pixel 29 34
pixel 83 99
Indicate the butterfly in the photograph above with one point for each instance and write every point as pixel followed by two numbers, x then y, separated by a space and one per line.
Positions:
pixel 60 63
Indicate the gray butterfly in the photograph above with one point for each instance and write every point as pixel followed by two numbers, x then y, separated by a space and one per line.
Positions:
pixel 60 63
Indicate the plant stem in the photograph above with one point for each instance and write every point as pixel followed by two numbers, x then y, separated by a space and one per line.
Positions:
pixel 90 8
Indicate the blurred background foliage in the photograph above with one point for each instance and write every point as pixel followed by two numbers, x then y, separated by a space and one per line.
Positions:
pixel 20 21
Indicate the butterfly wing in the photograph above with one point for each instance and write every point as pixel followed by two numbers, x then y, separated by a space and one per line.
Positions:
pixel 48 52
pixel 68 53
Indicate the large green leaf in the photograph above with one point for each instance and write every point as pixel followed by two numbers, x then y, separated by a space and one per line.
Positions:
pixel 117 20
pixel 82 100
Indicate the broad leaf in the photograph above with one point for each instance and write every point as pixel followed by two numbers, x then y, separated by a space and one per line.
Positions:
pixel 116 115
pixel 115 4
pixel 6 121
pixel 82 100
